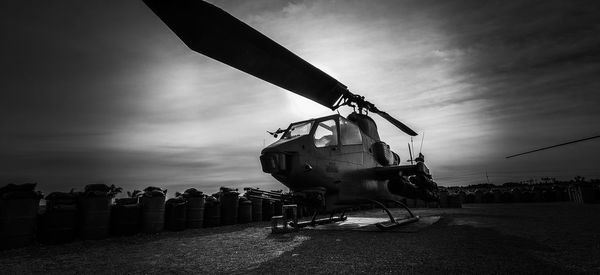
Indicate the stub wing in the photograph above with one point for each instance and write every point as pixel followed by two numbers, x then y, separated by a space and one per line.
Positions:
pixel 410 181
pixel 401 170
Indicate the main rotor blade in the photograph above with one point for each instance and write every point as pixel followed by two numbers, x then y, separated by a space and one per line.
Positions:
pixel 557 145
pixel 215 33
pixel 396 122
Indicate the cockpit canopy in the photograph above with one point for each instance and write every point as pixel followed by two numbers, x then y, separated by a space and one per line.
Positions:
pixel 298 129
pixel 326 131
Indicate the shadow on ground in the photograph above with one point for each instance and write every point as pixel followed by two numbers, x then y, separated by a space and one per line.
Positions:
pixel 493 238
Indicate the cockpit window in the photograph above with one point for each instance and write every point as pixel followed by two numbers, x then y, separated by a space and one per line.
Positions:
pixel 326 134
pixel 298 129
pixel 350 133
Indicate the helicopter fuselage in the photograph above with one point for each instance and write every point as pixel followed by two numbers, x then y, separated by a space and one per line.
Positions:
pixel 335 160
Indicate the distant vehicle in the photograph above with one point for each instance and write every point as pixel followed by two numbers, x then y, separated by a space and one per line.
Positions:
pixel 329 163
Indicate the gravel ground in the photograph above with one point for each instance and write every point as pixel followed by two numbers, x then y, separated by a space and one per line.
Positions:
pixel 553 238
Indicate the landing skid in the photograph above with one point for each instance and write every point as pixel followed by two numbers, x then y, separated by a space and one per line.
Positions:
pixel 393 223
pixel 387 225
pixel 314 221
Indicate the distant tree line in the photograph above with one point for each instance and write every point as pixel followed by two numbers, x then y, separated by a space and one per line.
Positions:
pixel 541 181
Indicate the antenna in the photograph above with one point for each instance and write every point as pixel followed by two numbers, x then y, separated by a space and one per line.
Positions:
pixel 486 176
pixel 410 153
pixel 412 144
pixel 422 139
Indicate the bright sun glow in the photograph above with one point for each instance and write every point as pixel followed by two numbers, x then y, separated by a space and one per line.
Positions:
pixel 306 108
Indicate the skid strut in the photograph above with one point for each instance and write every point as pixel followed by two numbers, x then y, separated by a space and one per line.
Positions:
pixel 393 223
pixel 314 221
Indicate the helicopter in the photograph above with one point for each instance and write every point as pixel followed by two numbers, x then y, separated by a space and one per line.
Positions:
pixel 330 163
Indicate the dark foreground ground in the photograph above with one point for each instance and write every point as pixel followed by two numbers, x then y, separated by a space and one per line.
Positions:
pixel 553 238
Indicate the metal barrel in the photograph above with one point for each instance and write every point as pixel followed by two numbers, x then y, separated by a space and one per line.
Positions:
pixel 153 214
pixel 277 208
pixel 549 195
pixel 462 195
pixel 257 213
pixel 195 212
pixel 212 212
pixel 479 196
pixel 561 194
pixel 267 210
pixel 17 221
pixel 302 211
pixel 57 225
pixel 488 197
pixel 443 198
pixel 506 197
pixel 175 214
pixel 517 195
pixel 244 210
pixel 454 201
pixel 94 217
pixel 538 195
pixel 497 195
pixel 470 198
pixel 527 196
pixel 125 219
pixel 229 207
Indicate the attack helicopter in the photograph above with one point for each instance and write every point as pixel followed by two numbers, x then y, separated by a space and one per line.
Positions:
pixel 329 163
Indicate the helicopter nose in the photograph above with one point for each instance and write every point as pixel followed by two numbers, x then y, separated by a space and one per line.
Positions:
pixel 273 162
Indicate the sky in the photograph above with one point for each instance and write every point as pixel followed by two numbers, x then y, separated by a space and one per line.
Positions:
pixel 104 92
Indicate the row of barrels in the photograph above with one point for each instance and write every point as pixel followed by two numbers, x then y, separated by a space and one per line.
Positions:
pixel 575 193
pixel 513 196
pixel 68 216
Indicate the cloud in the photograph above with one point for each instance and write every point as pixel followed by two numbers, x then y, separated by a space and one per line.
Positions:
pixel 105 91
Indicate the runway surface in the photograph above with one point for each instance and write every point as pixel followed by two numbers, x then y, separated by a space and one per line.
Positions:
pixel 541 238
